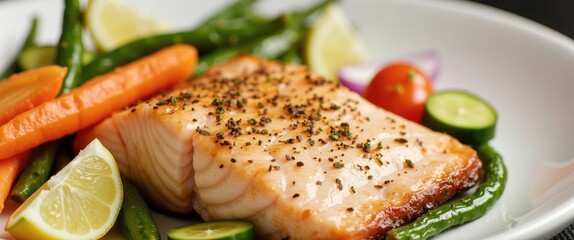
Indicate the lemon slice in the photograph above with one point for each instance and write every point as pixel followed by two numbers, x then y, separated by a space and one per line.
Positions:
pixel 82 201
pixel 112 23
pixel 333 42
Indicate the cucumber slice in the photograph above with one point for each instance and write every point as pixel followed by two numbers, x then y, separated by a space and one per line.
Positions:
pixel 34 57
pixel 228 230
pixel 461 114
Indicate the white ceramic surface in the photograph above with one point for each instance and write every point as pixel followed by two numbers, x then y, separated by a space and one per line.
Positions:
pixel 524 69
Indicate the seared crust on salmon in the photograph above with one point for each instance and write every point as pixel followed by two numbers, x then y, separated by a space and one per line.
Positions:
pixel 299 156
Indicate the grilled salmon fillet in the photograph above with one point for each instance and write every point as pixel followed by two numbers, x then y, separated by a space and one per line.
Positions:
pixel 299 156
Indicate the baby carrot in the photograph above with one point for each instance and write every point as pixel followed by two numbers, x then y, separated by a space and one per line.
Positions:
pixel 97 99
pixel 9 170
pixel 25 90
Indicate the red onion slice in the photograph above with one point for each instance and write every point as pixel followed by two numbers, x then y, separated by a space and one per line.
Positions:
pixel 357 76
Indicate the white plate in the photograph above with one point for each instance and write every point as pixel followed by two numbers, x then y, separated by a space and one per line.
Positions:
pixel 524 69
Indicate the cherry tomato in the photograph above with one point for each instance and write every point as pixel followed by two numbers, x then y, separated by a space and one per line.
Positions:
pixel 402 89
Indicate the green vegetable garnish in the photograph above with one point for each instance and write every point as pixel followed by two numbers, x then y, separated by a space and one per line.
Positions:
pixel 464 210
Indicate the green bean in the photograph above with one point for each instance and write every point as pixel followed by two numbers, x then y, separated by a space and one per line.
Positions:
pixel 464 210
pixel 29 42
pixel 37 171
pixel 203 39
pixel 70 48
pixel 239 8
pixel 69 54
pixel 62 157
pixel 291 56
pixel 272 46
pixel 134 218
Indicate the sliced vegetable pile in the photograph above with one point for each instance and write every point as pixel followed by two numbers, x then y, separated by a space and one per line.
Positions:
pixel 97 99
pixel 42 106
pixel 404 89
pixel 82 201
pixel 45 105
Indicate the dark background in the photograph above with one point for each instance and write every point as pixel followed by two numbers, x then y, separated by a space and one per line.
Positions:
pixel 556 14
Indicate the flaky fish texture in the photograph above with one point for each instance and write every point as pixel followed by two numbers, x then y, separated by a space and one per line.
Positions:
pixel 299 156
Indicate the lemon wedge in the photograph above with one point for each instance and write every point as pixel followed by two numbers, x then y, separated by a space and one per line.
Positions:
pixel 333 42
pixel 82 201
pixel 112 23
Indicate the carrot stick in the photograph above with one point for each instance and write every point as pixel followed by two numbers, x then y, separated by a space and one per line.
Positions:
pixel 23 91
pixel 9 170
pixel 97 99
